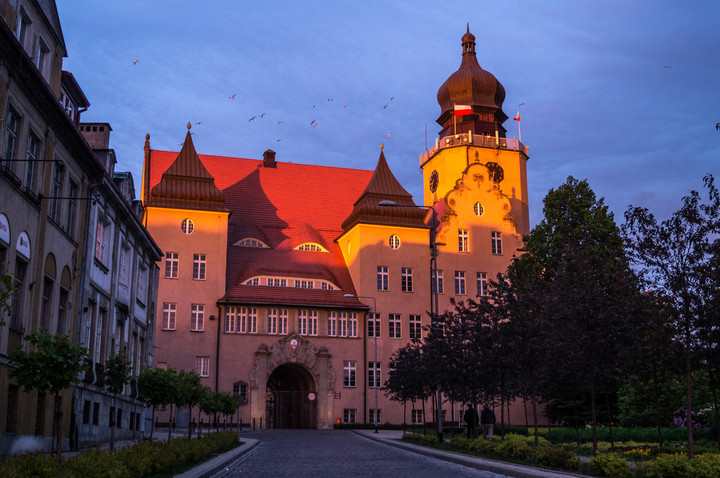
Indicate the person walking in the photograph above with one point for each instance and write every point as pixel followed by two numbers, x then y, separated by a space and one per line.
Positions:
pixel 487 420
pixel 471 421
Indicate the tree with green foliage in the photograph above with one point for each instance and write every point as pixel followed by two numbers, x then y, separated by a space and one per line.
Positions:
pixel 51 364
pixel 589 286
pixel 117 375
pixel 7 287
pixel 159 387
pixel 406 380
pixel 676 257
pixel 191 392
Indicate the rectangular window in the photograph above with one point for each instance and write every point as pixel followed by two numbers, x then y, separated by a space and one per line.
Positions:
pixel 496 239
pixel 481 283
pixel 302 322
pixel 124 267
pixel 407 279
pixel 242 320
pixel 86 412
pixel 383 278
pixel 349 415
pixel 272 321
pixel 197 317
pixel 172 265
pixel 199 266
pixel 169 311
pixel 375 416
pixel 313 322
pixel 56 192
pixel 70 216
pixel 349 372
pixel 282 321
pixel 394 326
pixel 332 324
pixel 11 129
pixel 230 320
pixel 459 283
pixel 304 284
pixel 252 320
pixel 96 413
pixel 437 283
pixel 101 239
pixel 202 366
pixel 31 161
pixel 417 417
pixel 142 280
pixel 374 375
pixel 62 310
pixel 415 327
pixel 352 324
pixel 11 421
pixel 16 315
pixel 462 240
pixel 45 314
pixel 373 325
pixel 276 282
pixel 343 324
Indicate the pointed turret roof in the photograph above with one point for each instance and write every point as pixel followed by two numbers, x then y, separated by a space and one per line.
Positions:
pixel 187 184
pixel 383 186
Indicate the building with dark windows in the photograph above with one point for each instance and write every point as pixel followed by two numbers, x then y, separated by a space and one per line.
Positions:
pixel 55 183
pixel 292 284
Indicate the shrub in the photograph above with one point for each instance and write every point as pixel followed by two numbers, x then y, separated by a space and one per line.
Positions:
pixel 484 447
pixel 461 443
pixel 705 466
pixel 514 447
pixel 610 464
pixel 669 466
pixel 556 457
pixel 420 439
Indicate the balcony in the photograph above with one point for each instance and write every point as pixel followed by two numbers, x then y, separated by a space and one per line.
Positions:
pixel 470 139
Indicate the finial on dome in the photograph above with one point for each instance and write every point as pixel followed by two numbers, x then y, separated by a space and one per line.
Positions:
pixel 468 27
pixel 382 146
pixel 188 125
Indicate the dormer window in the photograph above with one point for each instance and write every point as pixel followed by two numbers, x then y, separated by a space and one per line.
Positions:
pixel 67 104
pixel 251 242
pixel 311 246
pixel 24 30
pixel 42 54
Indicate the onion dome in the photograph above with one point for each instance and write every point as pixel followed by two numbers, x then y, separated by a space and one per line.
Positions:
pixel 473 86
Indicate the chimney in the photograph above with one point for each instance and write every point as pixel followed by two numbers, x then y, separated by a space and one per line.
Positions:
pixel 269 159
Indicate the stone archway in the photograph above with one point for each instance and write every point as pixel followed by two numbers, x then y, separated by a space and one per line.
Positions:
pixel 291 399
pixel 303 364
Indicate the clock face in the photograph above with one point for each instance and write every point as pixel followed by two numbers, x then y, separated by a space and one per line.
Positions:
pixel 434 181
pixel 495 171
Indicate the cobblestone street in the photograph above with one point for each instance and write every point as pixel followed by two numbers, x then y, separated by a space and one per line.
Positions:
pixel 330 453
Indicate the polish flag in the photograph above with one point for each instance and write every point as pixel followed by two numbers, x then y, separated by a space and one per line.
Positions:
pixel 461 110
pixel 517 118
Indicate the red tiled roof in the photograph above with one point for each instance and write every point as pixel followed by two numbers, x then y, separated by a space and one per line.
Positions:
pixel 285 204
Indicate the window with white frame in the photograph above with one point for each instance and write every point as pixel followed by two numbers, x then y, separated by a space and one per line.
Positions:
pixel 383 278
pixel 459 283
pixel 187 226
pixel 202 366
pixel 42 53
pixel 481 283
pixel 374 375
pixel 304 284
pixel 394 242
pixel 311 247
pixel 496 238
pixel 24 29
pixel 394 326
pixel 438 285
pixel 172 265
pixel 11 129
pixel 241 321
pixel 332 323
pixel 199 261
pixel 302 324
pixel 282 321
pixel 479 209
pixel 415 327
pixel 102 239
pixel 57 181
pixel 230 319
pixel 272 321
pixel 253 281
pixel 462 240
pixel 169 312
pixel 70 211
pixel 349 415
pixel 124 266
pixel 276 282
pixel 197 317
pixel 142 281
pixel 406 279
pixel 343 324
pixel 349 373
pixel 373 320
pixel 417 417
pixel 251 242
pixel 352 324
pixel 252 320
pixel 33 146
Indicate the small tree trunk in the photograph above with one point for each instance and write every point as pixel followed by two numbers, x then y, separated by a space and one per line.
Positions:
pixel 535 418
pixel 688 373
pixel 57 418
pixel 593 413
pixel 113 413
pixel 612 440
pixel 170 424
pixel 152 423
pixel 715 410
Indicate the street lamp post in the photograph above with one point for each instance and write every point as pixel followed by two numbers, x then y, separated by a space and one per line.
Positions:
pixel 433 292
pixel 375 416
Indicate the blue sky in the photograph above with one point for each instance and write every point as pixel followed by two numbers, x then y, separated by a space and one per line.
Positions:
pixel 599 101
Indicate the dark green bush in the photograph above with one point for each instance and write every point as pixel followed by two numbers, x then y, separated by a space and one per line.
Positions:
pixel 610 464
pixel 514 447
pixel 556 457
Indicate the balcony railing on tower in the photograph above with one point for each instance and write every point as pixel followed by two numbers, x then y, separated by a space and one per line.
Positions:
pixel 470 139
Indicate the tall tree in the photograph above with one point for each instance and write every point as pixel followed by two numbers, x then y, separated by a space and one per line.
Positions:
pixel 117 375
pixel 159 387
pixel 675 257
pixel 51 365
pixel 589 285
pixel 190 394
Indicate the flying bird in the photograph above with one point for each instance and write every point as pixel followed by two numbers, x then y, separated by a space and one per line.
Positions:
pixel 262 115
pixel 251 119
pixel 314 106
pixel 668 66
pixel 277 140
pixel 391 98
pixel 330 99
pixel 521 104
pixel 135 62
pixel 344 107
pixel 717 126
pixel 232 97
pixel 199 122
pixel 280 122
pixel 389 134
pixel 385 107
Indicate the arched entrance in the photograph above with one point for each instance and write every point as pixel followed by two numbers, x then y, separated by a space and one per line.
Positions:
pixel 291 398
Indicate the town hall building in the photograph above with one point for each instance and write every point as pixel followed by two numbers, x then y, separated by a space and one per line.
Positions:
pixel 297 306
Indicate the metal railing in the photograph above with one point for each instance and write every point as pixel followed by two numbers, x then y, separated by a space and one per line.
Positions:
pixel 470 139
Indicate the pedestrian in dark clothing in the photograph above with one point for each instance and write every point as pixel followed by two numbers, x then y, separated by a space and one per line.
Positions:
pixel 487 420
pixel 471 421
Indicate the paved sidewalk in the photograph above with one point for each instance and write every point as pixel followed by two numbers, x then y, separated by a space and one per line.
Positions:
pixel 393 438
pixel 213 465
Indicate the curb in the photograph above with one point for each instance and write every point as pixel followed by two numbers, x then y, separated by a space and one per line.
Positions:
pixel 213 465
pixel 478 463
